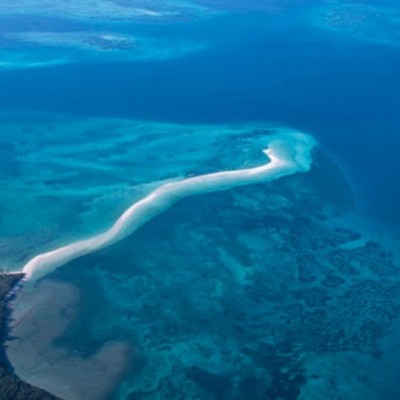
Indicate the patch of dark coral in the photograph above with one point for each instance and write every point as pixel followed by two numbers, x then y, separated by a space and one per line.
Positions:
pixel 217 386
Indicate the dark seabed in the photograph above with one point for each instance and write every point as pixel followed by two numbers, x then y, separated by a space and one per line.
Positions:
pixel 284 290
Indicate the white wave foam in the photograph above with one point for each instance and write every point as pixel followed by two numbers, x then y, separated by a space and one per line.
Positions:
pixel 288 153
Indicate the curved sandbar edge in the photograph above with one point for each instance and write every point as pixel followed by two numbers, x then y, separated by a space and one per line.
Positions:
pixel 287 153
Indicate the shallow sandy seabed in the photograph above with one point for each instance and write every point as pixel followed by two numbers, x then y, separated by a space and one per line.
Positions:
pixel 52 157
pixel 41 314
pixel 46 49
pixel 286 154
pixel 106 9
pixel 44 45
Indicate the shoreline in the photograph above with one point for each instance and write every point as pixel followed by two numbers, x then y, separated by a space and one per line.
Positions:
pixel 6 313
pixel 16 388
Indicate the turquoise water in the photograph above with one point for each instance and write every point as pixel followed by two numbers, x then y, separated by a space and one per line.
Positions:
pixel 280 290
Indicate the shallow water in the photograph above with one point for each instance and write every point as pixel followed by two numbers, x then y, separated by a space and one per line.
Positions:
pixel 252 293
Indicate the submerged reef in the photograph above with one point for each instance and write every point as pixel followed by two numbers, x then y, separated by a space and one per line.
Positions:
pixel 105 34
pixel 288 153
pixel 241 301
pixel 249 293
pixel 12 387
pixel 367 22
pixel 32 49
pixel 56 156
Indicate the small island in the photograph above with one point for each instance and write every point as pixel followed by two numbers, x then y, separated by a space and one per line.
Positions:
pixel 11 386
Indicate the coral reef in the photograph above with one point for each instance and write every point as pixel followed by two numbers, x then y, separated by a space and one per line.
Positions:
pixel 366 22
pixel 229 302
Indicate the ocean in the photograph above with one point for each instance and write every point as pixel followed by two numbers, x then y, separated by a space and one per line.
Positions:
pixel 259 68
pixel 251 293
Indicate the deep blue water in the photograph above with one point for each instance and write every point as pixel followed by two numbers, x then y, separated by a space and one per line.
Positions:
pixel 259 67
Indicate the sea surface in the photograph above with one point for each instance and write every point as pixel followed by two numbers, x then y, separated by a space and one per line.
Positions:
pixel 283 290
